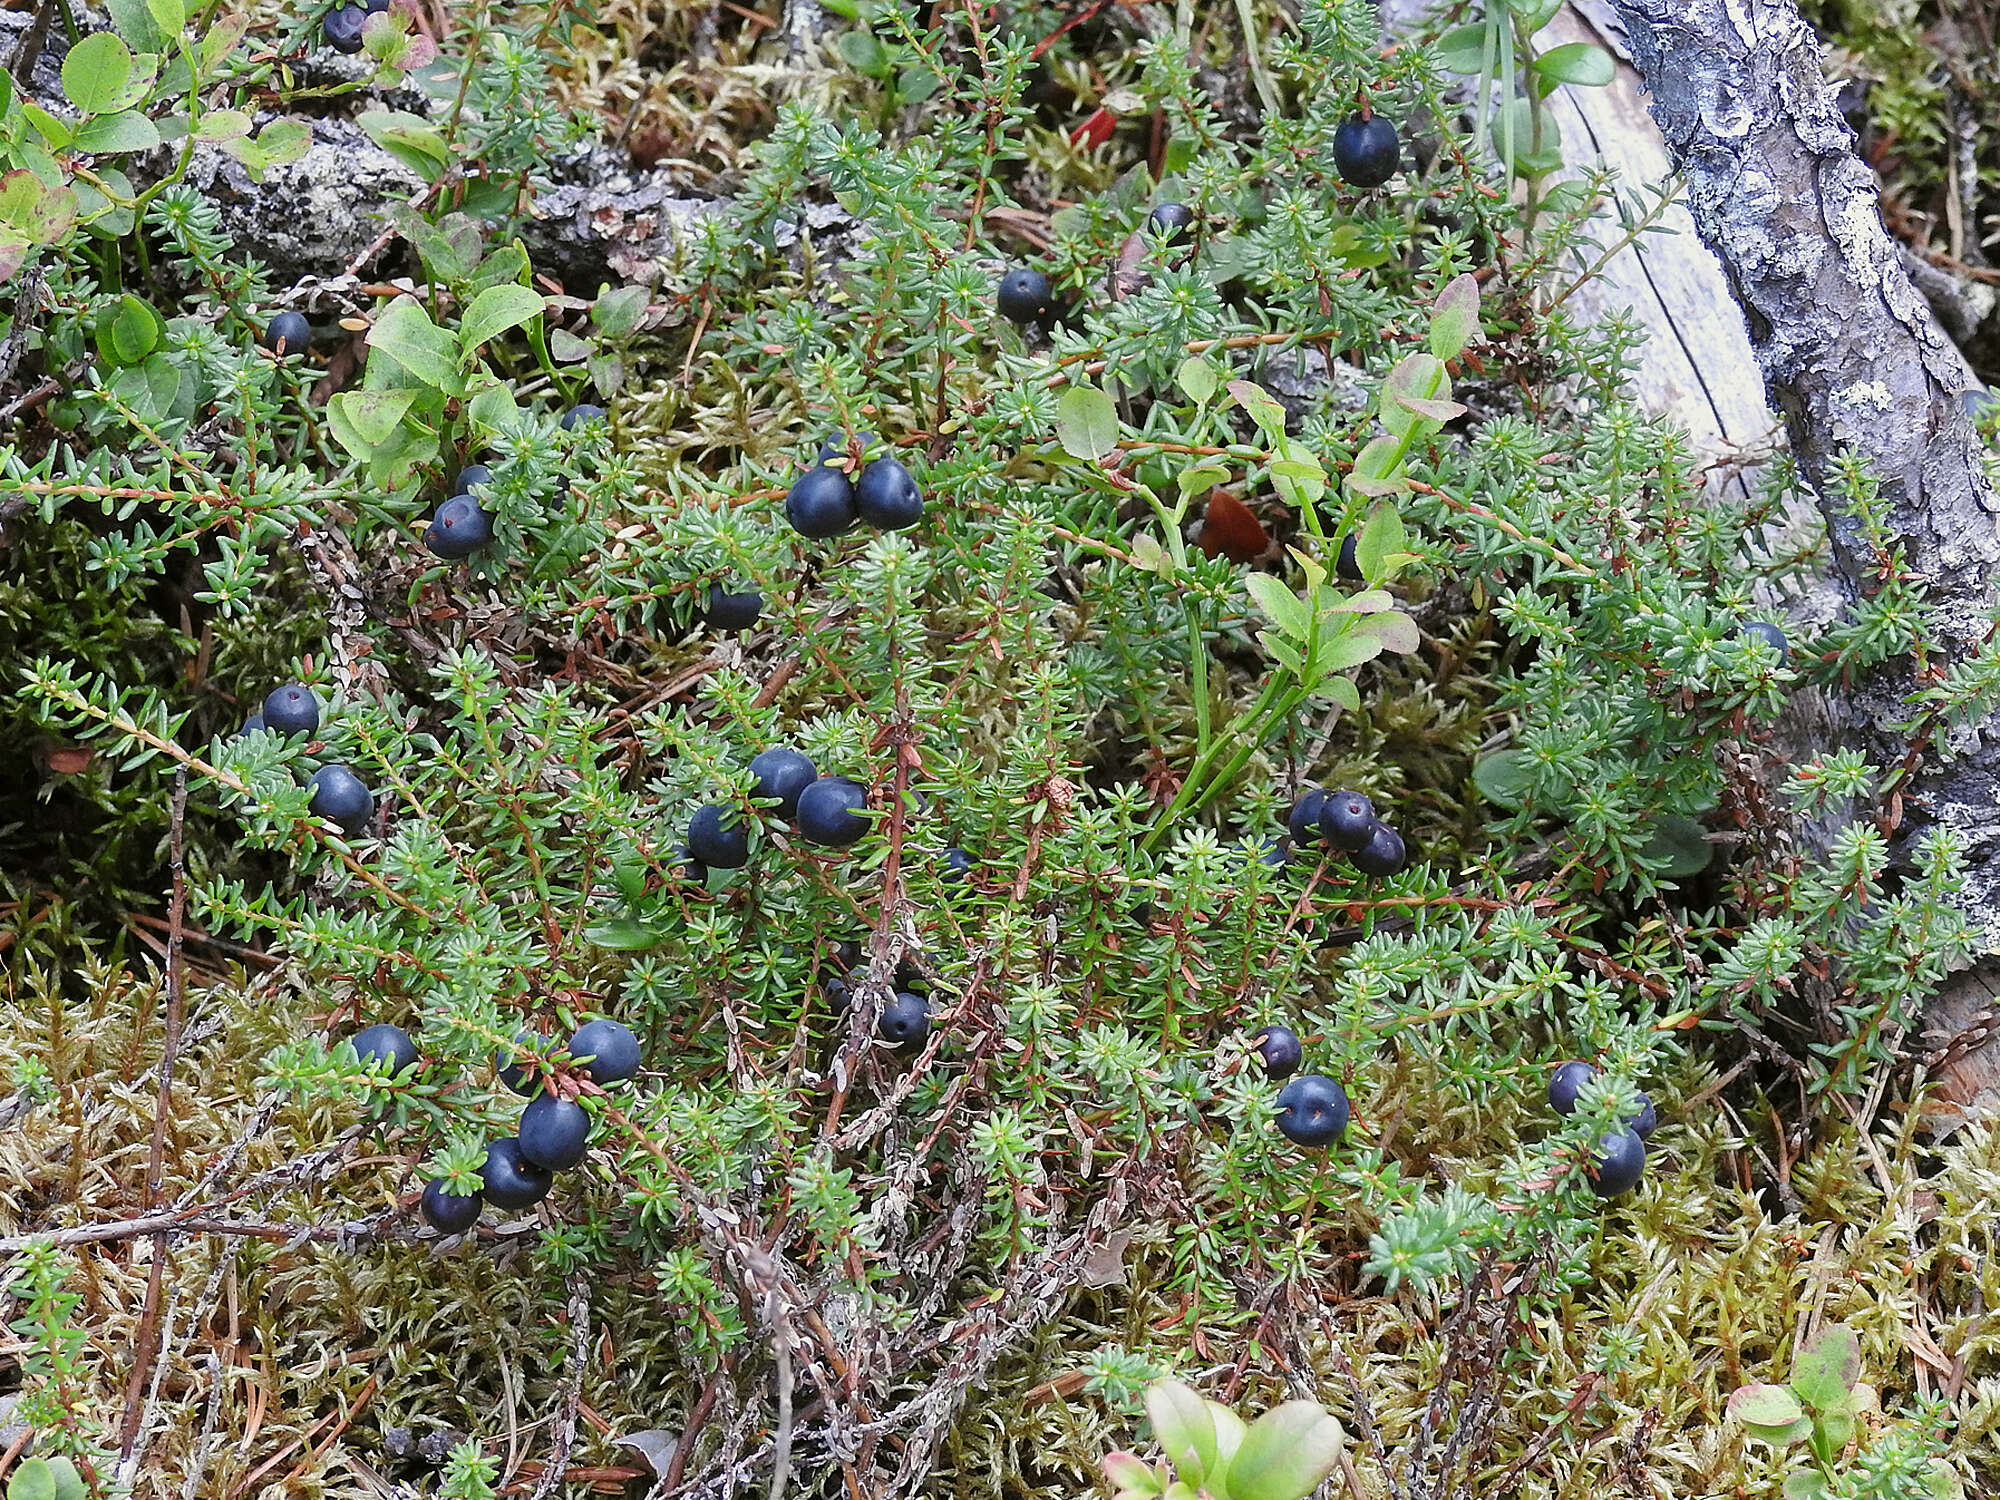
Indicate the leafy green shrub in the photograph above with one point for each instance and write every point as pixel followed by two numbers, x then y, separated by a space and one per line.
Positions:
pixel 1538 677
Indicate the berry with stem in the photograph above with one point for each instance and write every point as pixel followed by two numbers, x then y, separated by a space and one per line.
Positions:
pixel 554 1132
pixel 292 709
pixel 820 503
pixel 343 799
pixel 287 333
pixel 449 1212
pixel 887 497
pixel 1312 1110
pixel 832 812
pixel 612 1050
pixel 388 1045
pixel 509 1180
pixel 781 773
pixel 1366 151
pixel 1277 1047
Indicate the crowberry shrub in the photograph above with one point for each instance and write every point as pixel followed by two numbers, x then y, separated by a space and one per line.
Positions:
pixel 865 1091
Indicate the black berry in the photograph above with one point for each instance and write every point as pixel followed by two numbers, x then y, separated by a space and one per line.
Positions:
pixel 1024 296
pixel 509 1179
pixel 1347 820
pixel 252 725
pixel 581 415
pixel 508 1064
pixel 831 811
pixel 693 869
pixel 554 1132
pixel 820 503
pixel 287 333
pixel 342 26
pixel 1769 634
pixel 716 836
pixel 389 1045
pixel 343 798
pixel 732 613
pixel 887 497
pixel 1383 854
pixel 1274 853
pixel 470 475
pixel 612 1049
pixel 781 773
pixel 906 1021
pixel 1348 564
pixel 1366 152
pixel 459 527
pixel 1277 1048
pixel 1312 1110
pixel 1566 1087
pixel 449 1212
pixel 1621 1161
pixel 1566 1083
pixel 292 709
pixel 957 867
pixel 1170 219
pixel 1304 818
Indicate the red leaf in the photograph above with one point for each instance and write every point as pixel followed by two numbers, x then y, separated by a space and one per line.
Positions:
pixel 1096 128
pixel 1230 530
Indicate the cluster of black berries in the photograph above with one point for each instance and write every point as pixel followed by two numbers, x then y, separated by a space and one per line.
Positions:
pixel 831 497
pixel 554 1130
pixel 338 795
pixel 828 810
pixel 1346 821
pixel 1366 154
pixel 905 1022
pixel 1621 1156
pixel 1312 1108
pixel 341 27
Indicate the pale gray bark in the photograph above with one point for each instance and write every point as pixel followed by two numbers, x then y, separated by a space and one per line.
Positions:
pixel 1850 352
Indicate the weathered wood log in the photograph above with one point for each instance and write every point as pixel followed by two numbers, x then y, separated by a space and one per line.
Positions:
pixel 1852 356
pixel 1698 367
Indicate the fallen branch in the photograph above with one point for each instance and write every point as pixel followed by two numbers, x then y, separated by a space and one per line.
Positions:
pixel 1851 356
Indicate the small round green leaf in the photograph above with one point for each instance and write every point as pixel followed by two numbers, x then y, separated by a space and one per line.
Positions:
pixel 1086 423
pixel 95 72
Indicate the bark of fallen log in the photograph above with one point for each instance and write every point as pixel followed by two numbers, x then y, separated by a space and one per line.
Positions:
pixel 1853 358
